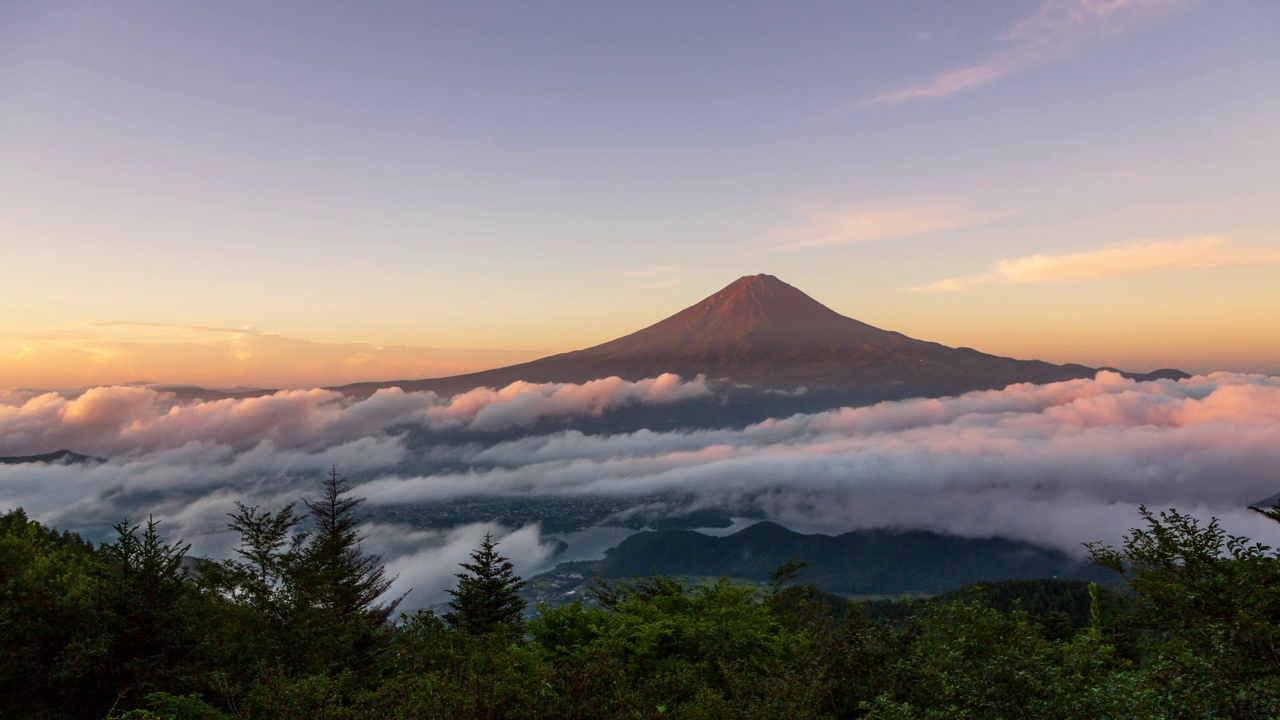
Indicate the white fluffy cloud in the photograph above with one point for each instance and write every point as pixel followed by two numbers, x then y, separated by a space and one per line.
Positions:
pixel 126 419
pixel 1056 464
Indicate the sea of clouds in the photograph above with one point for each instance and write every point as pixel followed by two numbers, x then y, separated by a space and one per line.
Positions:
pixel 1057 464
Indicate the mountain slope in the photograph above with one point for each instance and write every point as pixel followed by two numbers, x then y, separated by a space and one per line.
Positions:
pixel 762 332
pixel 57 457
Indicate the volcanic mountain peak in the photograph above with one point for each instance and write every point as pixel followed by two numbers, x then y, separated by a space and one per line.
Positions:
pixel 755 300
pixel 758 331
pixel 753 316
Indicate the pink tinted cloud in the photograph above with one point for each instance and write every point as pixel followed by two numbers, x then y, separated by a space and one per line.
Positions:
pixel 1056 464
pixel 122 419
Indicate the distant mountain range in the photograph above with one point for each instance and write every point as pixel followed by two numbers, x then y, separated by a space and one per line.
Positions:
pixel 861 562
pixel 763 333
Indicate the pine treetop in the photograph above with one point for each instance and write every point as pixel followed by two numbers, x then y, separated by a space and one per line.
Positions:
pixel 487 598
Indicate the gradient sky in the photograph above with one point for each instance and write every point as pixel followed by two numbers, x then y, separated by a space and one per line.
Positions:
pixel 287 194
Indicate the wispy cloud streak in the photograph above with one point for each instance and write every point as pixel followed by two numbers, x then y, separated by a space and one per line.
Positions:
pixel 842 227
pixel 1052 32
pixel 1133 258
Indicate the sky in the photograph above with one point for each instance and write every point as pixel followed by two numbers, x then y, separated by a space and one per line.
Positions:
pixel 295 194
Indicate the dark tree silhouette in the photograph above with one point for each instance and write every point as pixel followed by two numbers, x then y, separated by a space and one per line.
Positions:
pixel 270 546
pixel 143 586
pixel 340 577
pixel 487 599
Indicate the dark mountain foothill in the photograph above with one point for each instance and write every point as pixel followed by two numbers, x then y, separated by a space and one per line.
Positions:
pixel 58 457
pixel 866 562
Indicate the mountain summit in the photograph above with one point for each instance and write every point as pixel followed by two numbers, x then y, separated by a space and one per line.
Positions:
pixel 761 332
pixel 758 325
pixel 753 311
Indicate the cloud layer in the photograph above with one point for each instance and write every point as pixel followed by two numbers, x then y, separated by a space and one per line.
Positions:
pixel 425 561
pixel 1056 464
pixel 125 419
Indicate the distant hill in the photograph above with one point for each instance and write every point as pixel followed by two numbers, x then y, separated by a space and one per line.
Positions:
pixel 60 457
pixel 191 393
pixel 762 332
pixel 856 563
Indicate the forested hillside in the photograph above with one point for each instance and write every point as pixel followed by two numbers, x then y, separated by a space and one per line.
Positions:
pixel 855 563
pixel 297 625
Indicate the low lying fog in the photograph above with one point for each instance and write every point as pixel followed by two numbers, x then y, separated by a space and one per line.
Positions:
pixel 1056 464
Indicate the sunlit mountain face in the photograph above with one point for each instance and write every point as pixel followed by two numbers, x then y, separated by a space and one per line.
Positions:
pixel 762 333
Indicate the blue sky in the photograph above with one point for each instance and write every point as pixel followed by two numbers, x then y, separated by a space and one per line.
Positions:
pixel 205 191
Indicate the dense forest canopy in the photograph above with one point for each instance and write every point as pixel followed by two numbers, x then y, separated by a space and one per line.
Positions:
pixel 298 625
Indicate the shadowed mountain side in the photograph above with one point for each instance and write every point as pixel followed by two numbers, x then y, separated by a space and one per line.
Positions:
pixel 1161 374
pixel 861 562
pixel 57 457
pixel 762 332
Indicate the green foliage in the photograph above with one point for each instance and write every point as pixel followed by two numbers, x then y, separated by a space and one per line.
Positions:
pixel 54 633
pixel 967 660
pixel 87 629
pixel 270 552
pixel 290 628
pixel 166 706
pixel 487 599
pixel 1058 607
pixel 15 523
pixel 294 603
pixel 149 601
pixel 1210 605
pixel 672 643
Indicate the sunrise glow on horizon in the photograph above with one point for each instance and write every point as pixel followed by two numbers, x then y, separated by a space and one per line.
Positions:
pixel 408 192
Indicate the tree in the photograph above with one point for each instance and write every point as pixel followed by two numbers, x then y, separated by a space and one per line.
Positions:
pixel 298 602
pixel 487 599
pixel 148 602
pixel 342 578
pixel 50 620
pixel 270 547
pixel 709 651
pixel 1211 603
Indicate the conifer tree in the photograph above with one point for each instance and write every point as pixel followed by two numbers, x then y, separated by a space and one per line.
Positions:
pixel 344 580
pixel 270 546
pixel 487 599
pixel 143 592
